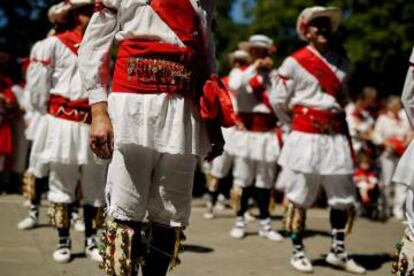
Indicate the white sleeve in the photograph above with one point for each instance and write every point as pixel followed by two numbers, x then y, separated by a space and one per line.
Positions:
pixel 40 75
pixel 95 50
pixel 378 134
pixel 282 90
pixel 241 78
pixel 407 97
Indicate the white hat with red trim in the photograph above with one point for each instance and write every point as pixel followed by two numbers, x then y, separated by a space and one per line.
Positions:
pixel 57 13
pixel 240 54
pixel 257 41
pixel 309 14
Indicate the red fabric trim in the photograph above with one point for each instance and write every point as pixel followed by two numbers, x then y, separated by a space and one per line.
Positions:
pixel 317 121
pixel 6 141
pixel 76 111
pixel 44 62
pixel 398 145
pixel 279 135
pixel 216 104
pixel 71 39
pixel 321 71
pixel 124 81
pixel 181 17
pixel 258 122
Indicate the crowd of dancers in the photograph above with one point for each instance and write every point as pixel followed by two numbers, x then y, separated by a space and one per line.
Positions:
pixel 129 156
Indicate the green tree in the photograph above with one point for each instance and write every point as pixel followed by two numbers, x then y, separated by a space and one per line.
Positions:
pixel 377 34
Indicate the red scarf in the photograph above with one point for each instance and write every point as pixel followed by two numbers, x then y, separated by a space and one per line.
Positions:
pixel 318 68
pixel 71 39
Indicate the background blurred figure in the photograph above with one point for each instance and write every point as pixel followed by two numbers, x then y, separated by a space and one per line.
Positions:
pixel 367 181
pixel 360 122
pixel 392 132
pixel 221 166
pixel 8 111
pixel 255 145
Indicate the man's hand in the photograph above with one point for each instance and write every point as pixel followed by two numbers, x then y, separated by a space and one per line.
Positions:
pixel 101 133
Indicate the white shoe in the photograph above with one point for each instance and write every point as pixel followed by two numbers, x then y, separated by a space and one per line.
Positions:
pixel 62 255
pixel 238 231
pixel 209 215
pixel 342 261
pixel 29 222
pixel 271 235
pixel 300 262
pixel 78 224
pixel 91 249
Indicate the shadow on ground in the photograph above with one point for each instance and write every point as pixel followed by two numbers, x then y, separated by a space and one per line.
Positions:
pixel 371 262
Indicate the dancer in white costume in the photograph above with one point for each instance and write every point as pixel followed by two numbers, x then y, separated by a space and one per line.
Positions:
pixel 317 151
pixel 62 141
pixel 392 132
pixel 404 176
pixel 149 126
pixel 255 143
pixel 221 166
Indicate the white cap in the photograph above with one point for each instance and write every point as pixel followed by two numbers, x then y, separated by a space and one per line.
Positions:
pixel 257 41
pixel 308 14
pixel 240 54
pixel 58 12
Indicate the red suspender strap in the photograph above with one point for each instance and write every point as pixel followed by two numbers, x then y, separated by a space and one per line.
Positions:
pixel 72 39
pixel 320 70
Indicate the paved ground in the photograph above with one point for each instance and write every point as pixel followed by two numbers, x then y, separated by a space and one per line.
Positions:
pixel 208 250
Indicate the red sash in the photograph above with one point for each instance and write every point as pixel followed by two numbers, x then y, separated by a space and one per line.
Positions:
pixel 6 144
pixel 71 39
pixel 63 108
pixel 318 68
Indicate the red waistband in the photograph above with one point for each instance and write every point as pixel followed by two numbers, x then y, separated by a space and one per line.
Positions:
pixel 148 67
pixel 259 122
pixel 63 108
pixel 317 121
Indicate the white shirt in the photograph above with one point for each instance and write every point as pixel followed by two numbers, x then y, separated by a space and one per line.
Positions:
pixel 135 19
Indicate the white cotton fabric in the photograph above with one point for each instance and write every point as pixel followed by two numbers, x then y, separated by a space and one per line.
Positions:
pixel 168 124
pixel 404 173
pixel 304 152
pixel 358 125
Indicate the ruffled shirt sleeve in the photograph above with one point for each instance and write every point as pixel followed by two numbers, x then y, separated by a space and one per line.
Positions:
pixel 94 53
pixel 40 74
pixel 282 90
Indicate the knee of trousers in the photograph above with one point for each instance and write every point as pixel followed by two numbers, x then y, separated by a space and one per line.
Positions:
pixel 58 214
pixel 212 183
pixel 29 185
pixel 295 218
pixel 122 249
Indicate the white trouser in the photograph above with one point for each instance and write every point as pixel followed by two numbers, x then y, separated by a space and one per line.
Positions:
pixel 388 166
pixel 302 188
pixel 400 196
pixel 64 178
pixel 142 180
pixel 221 166
pixel 247 172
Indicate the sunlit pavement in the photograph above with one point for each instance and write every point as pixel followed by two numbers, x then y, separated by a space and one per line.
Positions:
pixel 208 250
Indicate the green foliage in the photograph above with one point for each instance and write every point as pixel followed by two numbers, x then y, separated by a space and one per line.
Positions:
pixel 378 36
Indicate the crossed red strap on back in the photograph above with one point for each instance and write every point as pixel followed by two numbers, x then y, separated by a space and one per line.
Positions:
pixel 320 70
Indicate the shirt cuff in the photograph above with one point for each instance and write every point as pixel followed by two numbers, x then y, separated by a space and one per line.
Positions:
pixel 97 95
